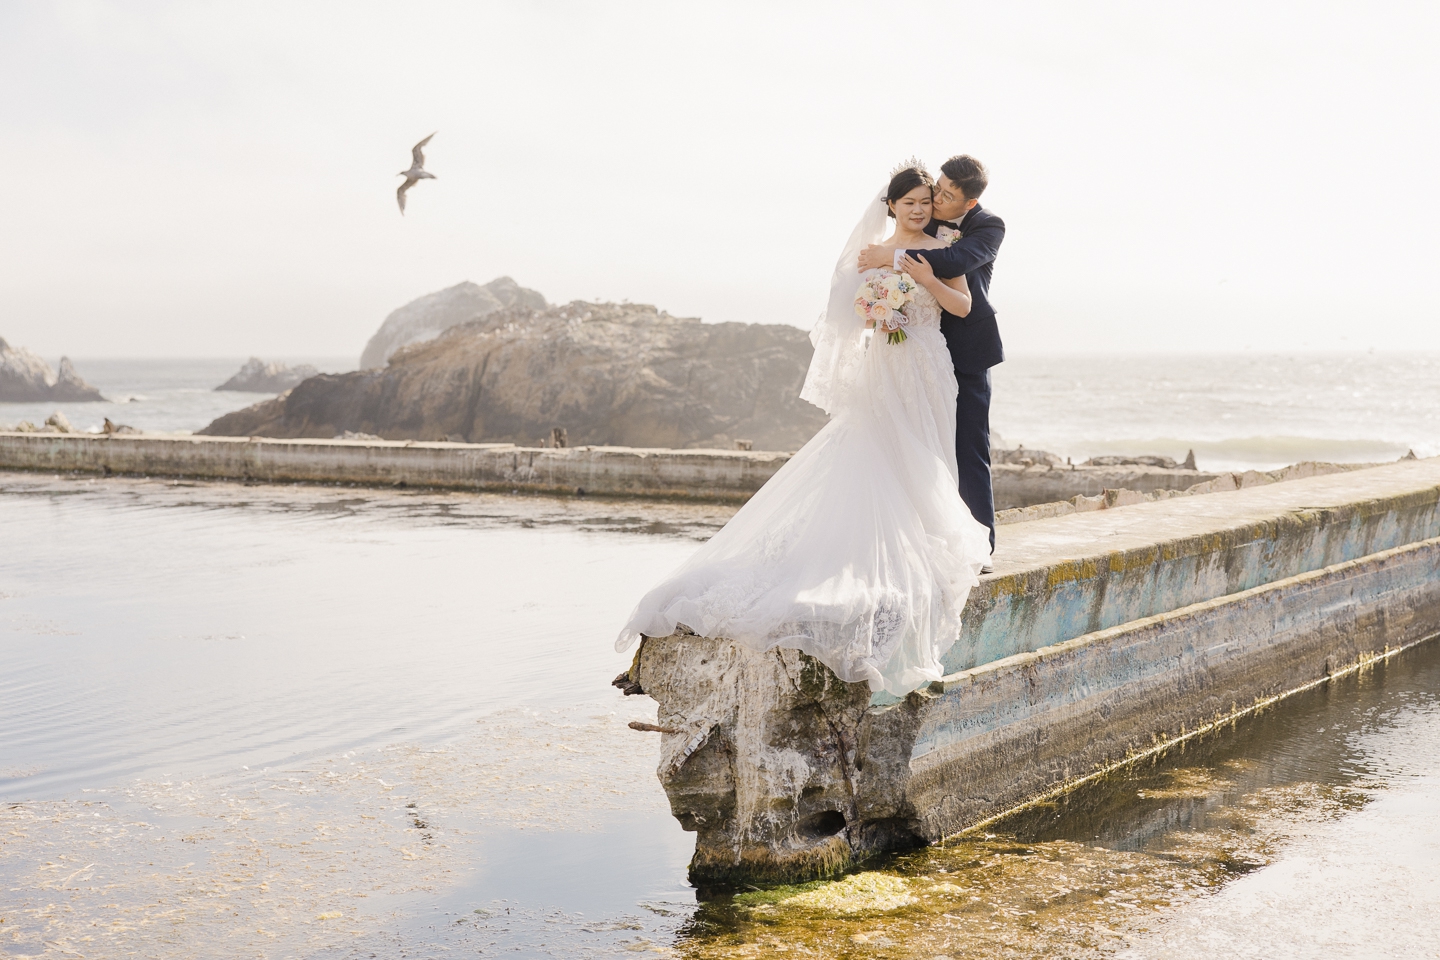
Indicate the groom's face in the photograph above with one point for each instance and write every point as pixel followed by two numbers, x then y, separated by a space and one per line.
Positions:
pixel 950 201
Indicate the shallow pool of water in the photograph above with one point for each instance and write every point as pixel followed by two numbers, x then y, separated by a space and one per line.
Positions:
pixel 319 721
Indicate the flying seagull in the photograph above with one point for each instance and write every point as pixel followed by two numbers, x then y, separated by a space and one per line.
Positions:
pixel 416 172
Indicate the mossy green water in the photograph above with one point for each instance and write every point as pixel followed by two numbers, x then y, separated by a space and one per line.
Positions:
pixel 1003 895
pixel 870 892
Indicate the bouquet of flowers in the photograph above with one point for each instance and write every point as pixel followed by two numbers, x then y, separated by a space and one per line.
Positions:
pixel 883 299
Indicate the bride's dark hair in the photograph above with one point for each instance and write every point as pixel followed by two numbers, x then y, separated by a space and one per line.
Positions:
pixel 911 174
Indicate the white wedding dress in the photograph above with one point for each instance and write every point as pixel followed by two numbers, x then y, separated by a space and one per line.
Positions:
pixel 859 551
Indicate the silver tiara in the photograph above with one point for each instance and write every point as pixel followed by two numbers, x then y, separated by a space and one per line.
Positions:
pixel 914 163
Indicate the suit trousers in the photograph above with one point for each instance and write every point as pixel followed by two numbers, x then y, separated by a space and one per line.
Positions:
pixel 972 447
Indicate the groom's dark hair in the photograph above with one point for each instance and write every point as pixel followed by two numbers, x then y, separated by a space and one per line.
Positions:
pixel 968 174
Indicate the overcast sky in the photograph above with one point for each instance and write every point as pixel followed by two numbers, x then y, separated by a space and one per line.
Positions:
pixel 196 179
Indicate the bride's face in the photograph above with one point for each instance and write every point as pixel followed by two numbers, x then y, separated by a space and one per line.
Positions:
pixel 913 209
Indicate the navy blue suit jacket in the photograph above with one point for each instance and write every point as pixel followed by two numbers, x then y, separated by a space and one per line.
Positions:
pixel 974 340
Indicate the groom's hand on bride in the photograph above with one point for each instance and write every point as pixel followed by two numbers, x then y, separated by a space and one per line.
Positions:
pixel 875 256
pixel 919 268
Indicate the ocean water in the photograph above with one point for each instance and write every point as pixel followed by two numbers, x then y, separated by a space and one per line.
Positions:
pixel 1241 411
pixel 306 721
pixel 1237 412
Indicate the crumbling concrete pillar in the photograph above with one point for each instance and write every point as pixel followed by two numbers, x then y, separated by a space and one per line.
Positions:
pixel 762 765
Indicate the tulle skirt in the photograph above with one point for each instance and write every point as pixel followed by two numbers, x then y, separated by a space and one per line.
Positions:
pixel 859 551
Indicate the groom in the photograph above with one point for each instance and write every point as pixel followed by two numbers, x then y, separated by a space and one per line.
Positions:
pixel 974 340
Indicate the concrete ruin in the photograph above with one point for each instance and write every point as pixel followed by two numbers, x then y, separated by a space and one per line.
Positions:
pixel 728 474
pixel 722 475
pixel 1101 637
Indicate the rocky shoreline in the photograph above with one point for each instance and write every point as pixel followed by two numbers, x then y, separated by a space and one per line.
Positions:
pixel 26 378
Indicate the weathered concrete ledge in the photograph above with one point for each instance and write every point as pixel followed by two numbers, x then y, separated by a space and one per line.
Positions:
pixel 604 471
pixel 1118 495
pixel 991 738
pixel 1019 486
pixel 1059 578
pixel 1100 636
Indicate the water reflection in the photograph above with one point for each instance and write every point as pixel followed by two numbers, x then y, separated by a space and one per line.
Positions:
pixel 1120 866
pixel 160 627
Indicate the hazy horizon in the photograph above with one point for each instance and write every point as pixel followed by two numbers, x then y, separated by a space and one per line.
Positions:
pixel 199 180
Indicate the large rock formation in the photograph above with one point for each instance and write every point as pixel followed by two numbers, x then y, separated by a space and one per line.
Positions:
pixel 25 378
pixel 257 376
pixel 612 374
pixel 433 314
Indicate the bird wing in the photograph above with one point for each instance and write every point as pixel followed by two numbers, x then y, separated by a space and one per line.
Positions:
pixel 417 152
pixel 400 194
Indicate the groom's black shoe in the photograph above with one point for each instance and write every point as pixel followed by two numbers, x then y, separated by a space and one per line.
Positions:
pixel 987 569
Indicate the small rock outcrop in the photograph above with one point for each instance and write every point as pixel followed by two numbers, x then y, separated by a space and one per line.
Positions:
pixel 603 373
pixel 1164 463
pixel 25 378
pixel 433 314
pixel 257 376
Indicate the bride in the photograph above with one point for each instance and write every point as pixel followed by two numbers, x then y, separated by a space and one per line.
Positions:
pixel 859 551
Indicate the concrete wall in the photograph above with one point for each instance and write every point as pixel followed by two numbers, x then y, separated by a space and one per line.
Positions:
pixel 1059 578
pixel 1017 486
pixel 1100 636
pixel 991 738
pixel 610 471
pixel 604 471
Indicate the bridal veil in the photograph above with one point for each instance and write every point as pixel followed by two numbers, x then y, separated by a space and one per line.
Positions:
pixel 839 334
